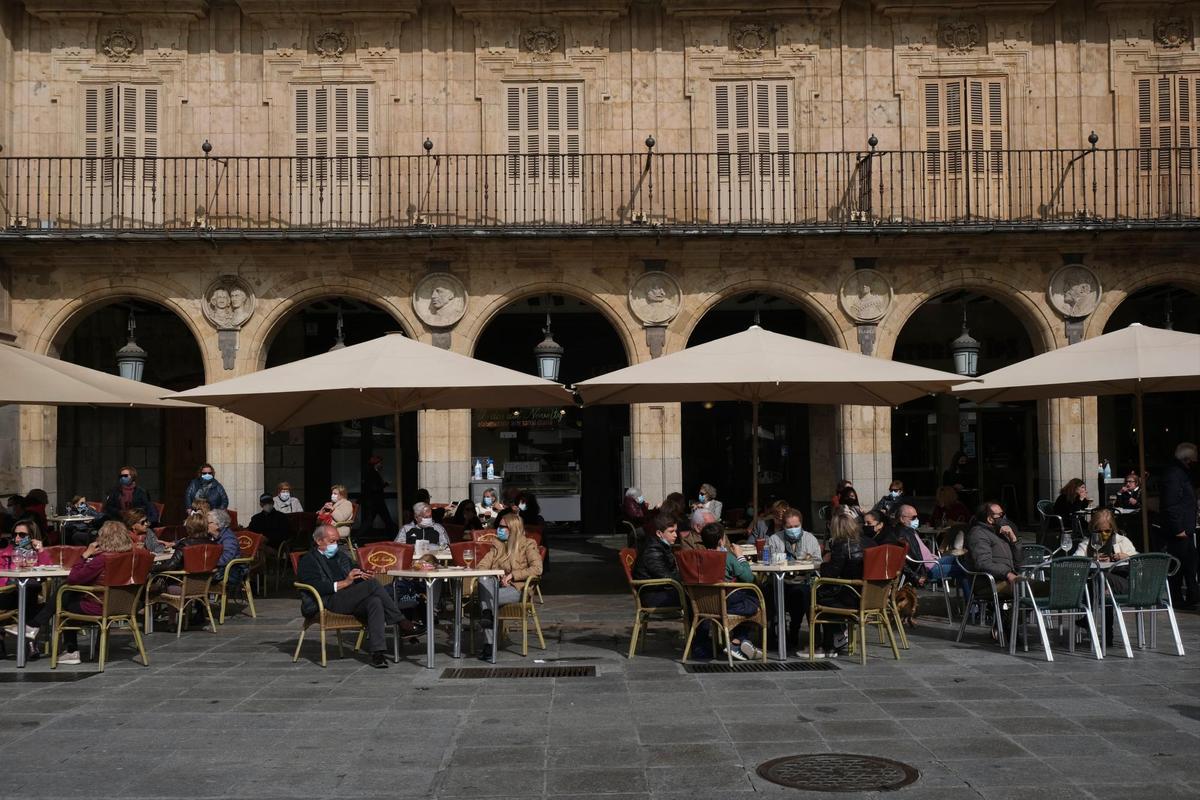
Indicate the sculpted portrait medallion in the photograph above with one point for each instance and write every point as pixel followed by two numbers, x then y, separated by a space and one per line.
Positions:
pixel 440 300
pixel 866 295
pixel 655 298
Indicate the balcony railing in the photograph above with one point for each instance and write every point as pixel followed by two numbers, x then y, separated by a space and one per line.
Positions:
pixel 663 192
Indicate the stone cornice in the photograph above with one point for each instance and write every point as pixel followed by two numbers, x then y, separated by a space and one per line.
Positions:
pixel 402 10
pixel 731 8
pixel 94 9
pixel 480 9
pixel 903 8
pixel 1140 6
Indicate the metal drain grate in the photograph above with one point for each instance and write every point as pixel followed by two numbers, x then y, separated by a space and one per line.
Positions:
pixel 477 673
pixel 44 677
pixel 759 666
pixel 838 772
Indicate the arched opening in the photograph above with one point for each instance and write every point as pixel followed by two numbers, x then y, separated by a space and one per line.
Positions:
pixel 1170 417
pixel 316 457
pixel 575 460
pixel 717 437
pixel 164 446
pixel 999 440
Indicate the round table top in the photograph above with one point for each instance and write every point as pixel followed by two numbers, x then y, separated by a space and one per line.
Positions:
pixel 790 566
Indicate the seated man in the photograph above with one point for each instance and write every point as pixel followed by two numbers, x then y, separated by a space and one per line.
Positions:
pixel 798 544
pixel 689 539
pixel 657 560
pixel 346 589
pixel 922 565
pixel 270 522
pixel 1129 496
pixel 423 527
pixel 742 602
pixel 992 547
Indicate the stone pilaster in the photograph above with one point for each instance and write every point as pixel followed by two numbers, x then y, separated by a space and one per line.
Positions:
pixel 235 449
pixel 37 455
pixel 444 454
pixel 1068 444
pixel 656 444
pixel 865 451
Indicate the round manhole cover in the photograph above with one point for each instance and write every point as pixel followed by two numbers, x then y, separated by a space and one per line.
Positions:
pixel 838 772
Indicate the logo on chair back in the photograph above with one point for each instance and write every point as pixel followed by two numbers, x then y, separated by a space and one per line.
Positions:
pixel 381 559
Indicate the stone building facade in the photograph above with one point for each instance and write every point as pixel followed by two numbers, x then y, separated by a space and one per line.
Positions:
pixel 353 147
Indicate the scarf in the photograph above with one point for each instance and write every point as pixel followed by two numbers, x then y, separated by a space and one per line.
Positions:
pixel 127 497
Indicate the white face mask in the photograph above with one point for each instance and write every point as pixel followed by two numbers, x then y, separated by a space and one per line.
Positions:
pixel 425 522
pixel 285 496
pixel 333 498
pixel 521 506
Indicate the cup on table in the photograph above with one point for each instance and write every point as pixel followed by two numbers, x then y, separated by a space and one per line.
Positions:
pixel 469 556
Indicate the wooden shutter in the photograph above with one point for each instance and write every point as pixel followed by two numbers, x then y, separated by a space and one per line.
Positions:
pixel 362 132
pixel 544 122
pixel 773 127
pixel 514 130
pixel 933 128
pixel 574 130
pixel 964 114
pixel 753 118
pixel 333 127
pixel 986 118
pixel 92 116
pixel 741 127
pixel 533 131
pixel 554 130
pixel 722 128
pixel 121 122
pixel 303 134
pixel 1168 117
pixel 150 134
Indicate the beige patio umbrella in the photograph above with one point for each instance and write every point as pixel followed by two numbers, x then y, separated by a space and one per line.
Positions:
pixel 389 375
pixel 33 379
pixel 758 366
pixel 1136 360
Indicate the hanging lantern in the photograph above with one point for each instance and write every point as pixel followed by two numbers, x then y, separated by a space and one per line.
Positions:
pixel 548 354
pixel 131 359
pixel 966 351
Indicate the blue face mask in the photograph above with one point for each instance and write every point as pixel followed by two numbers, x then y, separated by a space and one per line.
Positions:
pixel 895 492
pixel 703 497
pixel 126 480
pixel 502 534
pixel 914 523
pixel 330 550
pixel 207 476
pixel 641 499
pixel 487 501
pixel 794 533
pixel 21 541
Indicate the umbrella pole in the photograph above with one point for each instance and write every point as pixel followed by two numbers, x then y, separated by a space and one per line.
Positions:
pixel 1141 437
pixel 399 493
pixel 754 458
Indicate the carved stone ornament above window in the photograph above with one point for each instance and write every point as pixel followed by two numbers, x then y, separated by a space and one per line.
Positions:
pixel 331 45
pixel 119 45
pixel 750 40
pixel 542 43
pixel 1172 33
pixel 959 37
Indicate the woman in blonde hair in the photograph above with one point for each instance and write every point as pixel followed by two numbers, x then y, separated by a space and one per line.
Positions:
pixel 339 511
pixel 846 546
pixel 113 538
pixel 1107 543
pixel 518 556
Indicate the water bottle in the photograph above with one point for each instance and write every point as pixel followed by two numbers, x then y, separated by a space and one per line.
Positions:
pixel 1107 470
pixel 766 554
pixel 491 470
pixel 478 473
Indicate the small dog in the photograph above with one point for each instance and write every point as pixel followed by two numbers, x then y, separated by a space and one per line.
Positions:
pixel 909 605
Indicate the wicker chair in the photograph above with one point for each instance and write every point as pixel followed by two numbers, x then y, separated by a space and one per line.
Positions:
pixel 882 567
pixel 300 528
pixel 194 582
pixel 250 544
pixel 642 615
pixel 523 611
pixel 708 592
pixel 1067 597
pixel 119 593
pixel 325 620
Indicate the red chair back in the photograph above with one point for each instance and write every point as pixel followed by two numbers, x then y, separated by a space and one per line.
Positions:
pixel 95 505
pixel 249 543
pixel 483 536
pixel 701 566
pixel 542 553
pixel 759 544
pixel 455 532
pixel 628 558
pixel 384 556
pixel 883 562
pixel 64 555
pixel 456 552
pixel 169 533
pixel 201 558
pixel 158 509
pixel 302 522
pixel 233 523
pixel 295 556
pixel 126 569
pixel 536 535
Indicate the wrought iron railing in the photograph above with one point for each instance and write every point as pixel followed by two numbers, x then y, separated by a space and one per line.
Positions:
pixel 876 190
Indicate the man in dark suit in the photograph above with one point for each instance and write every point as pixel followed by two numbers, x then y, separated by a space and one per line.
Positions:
pixel 346 589
pixel 1177 504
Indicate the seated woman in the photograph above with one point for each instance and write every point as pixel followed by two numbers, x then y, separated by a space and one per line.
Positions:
pixel 529 509
pixel 770 522
pixel 846 546
pixel 740 603
pixel 1071 498
pixel 285 502
pixel 707 497
pixel 338 511
pixel 799 545
pixel 1129 496
pixel 1107 543
pixel 633 507
pixel 848 504
pixel 464 515
pixel 139 529
pixel 195 531
pixel 489 508
pixel 82 532
pixel 518 556
pixel 948 509
pixel 113 538
pixel 893 499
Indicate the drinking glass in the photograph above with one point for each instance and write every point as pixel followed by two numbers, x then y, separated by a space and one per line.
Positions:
pixel 469 557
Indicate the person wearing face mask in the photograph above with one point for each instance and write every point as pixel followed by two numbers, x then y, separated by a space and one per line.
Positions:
pixel 489 508
pixel 633 507
pixel 285 501
pixel 339 511
pixel 270 521
pixel 799 545
pixel 423 527
pixel 127 494
pixel 992 547
pixel 372 500
pixel 707 497
pixel 892 500
pixel 139 530
pixel 848 503
pixel 346 589
pixel 205 486
pixel 529 509
pixel 921 564
pixel 518 556
pixel 81 533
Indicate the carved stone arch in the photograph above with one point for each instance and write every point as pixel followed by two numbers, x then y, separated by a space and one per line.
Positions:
pixel 1178 274
pixel 260 333
pixel 1041 324
pixel 466 336
pixel 693 312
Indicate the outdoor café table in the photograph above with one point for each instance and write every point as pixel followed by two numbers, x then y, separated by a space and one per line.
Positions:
pixel 22 577
pixel 779 572
pixel 455 575
pixel 62 519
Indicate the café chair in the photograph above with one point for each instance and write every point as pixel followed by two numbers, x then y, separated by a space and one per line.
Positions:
pixel 978 601
pixel 169 533
pixel 1054 528
pixel 119 593
pixel 379 557
pixel 942 584
pixel 194 582
pixel 301 525
pixel 64 555
pixel 523 611
pixel 454 531
pixel 1149 594
pixel 882 567
pixel 643 614
pixel 7 617
pixel 250 544
pixel 158 510
pixel 703 573
pixel 1066 596
pixel 324 620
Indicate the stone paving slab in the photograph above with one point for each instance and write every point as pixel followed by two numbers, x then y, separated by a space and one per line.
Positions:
pixel 230 716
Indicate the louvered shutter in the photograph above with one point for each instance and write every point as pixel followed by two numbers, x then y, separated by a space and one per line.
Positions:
pixel 952 126
pixel 533 131
pixel 320 132
pixel 109 132
pixel 91 131
pixel 986 119
pixel 1163 119
pixel 1183 101
pixel 722 128
pixel 150 134
pixel 574 130
pixel 933 128
pixel 554 132
pixel 303 134
pixel 341 132
pixel 544 123
pixel 1168 117
pixel 782 132
pixel 741 127
pixel 362 132
pixel 515 131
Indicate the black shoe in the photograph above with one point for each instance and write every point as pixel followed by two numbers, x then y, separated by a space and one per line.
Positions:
pixel 485 655
pixel 378 661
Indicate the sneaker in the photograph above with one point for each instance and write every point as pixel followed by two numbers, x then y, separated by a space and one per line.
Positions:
pixel 749 650
pixel 736 653
pixel 804 654
pixel 378 660
pixel 30 631
pixel 69 657
pixel 841 641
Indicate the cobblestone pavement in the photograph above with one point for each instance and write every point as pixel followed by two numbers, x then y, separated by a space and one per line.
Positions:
pixel 229 715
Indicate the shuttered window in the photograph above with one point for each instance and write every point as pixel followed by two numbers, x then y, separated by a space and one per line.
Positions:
pixel 544 130
pixel 753 118
pixel 121 121
pixel 1168 116
pixel 964 114
pixel 333 133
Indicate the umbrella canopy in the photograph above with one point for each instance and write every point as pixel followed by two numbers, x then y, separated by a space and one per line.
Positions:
pixel 1133 359
pixel 32 379
pixel 763 367
pixel 389 375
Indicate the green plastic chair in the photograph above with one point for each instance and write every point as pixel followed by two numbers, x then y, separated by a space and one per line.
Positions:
pixel 1149 593
pixel 1067 597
